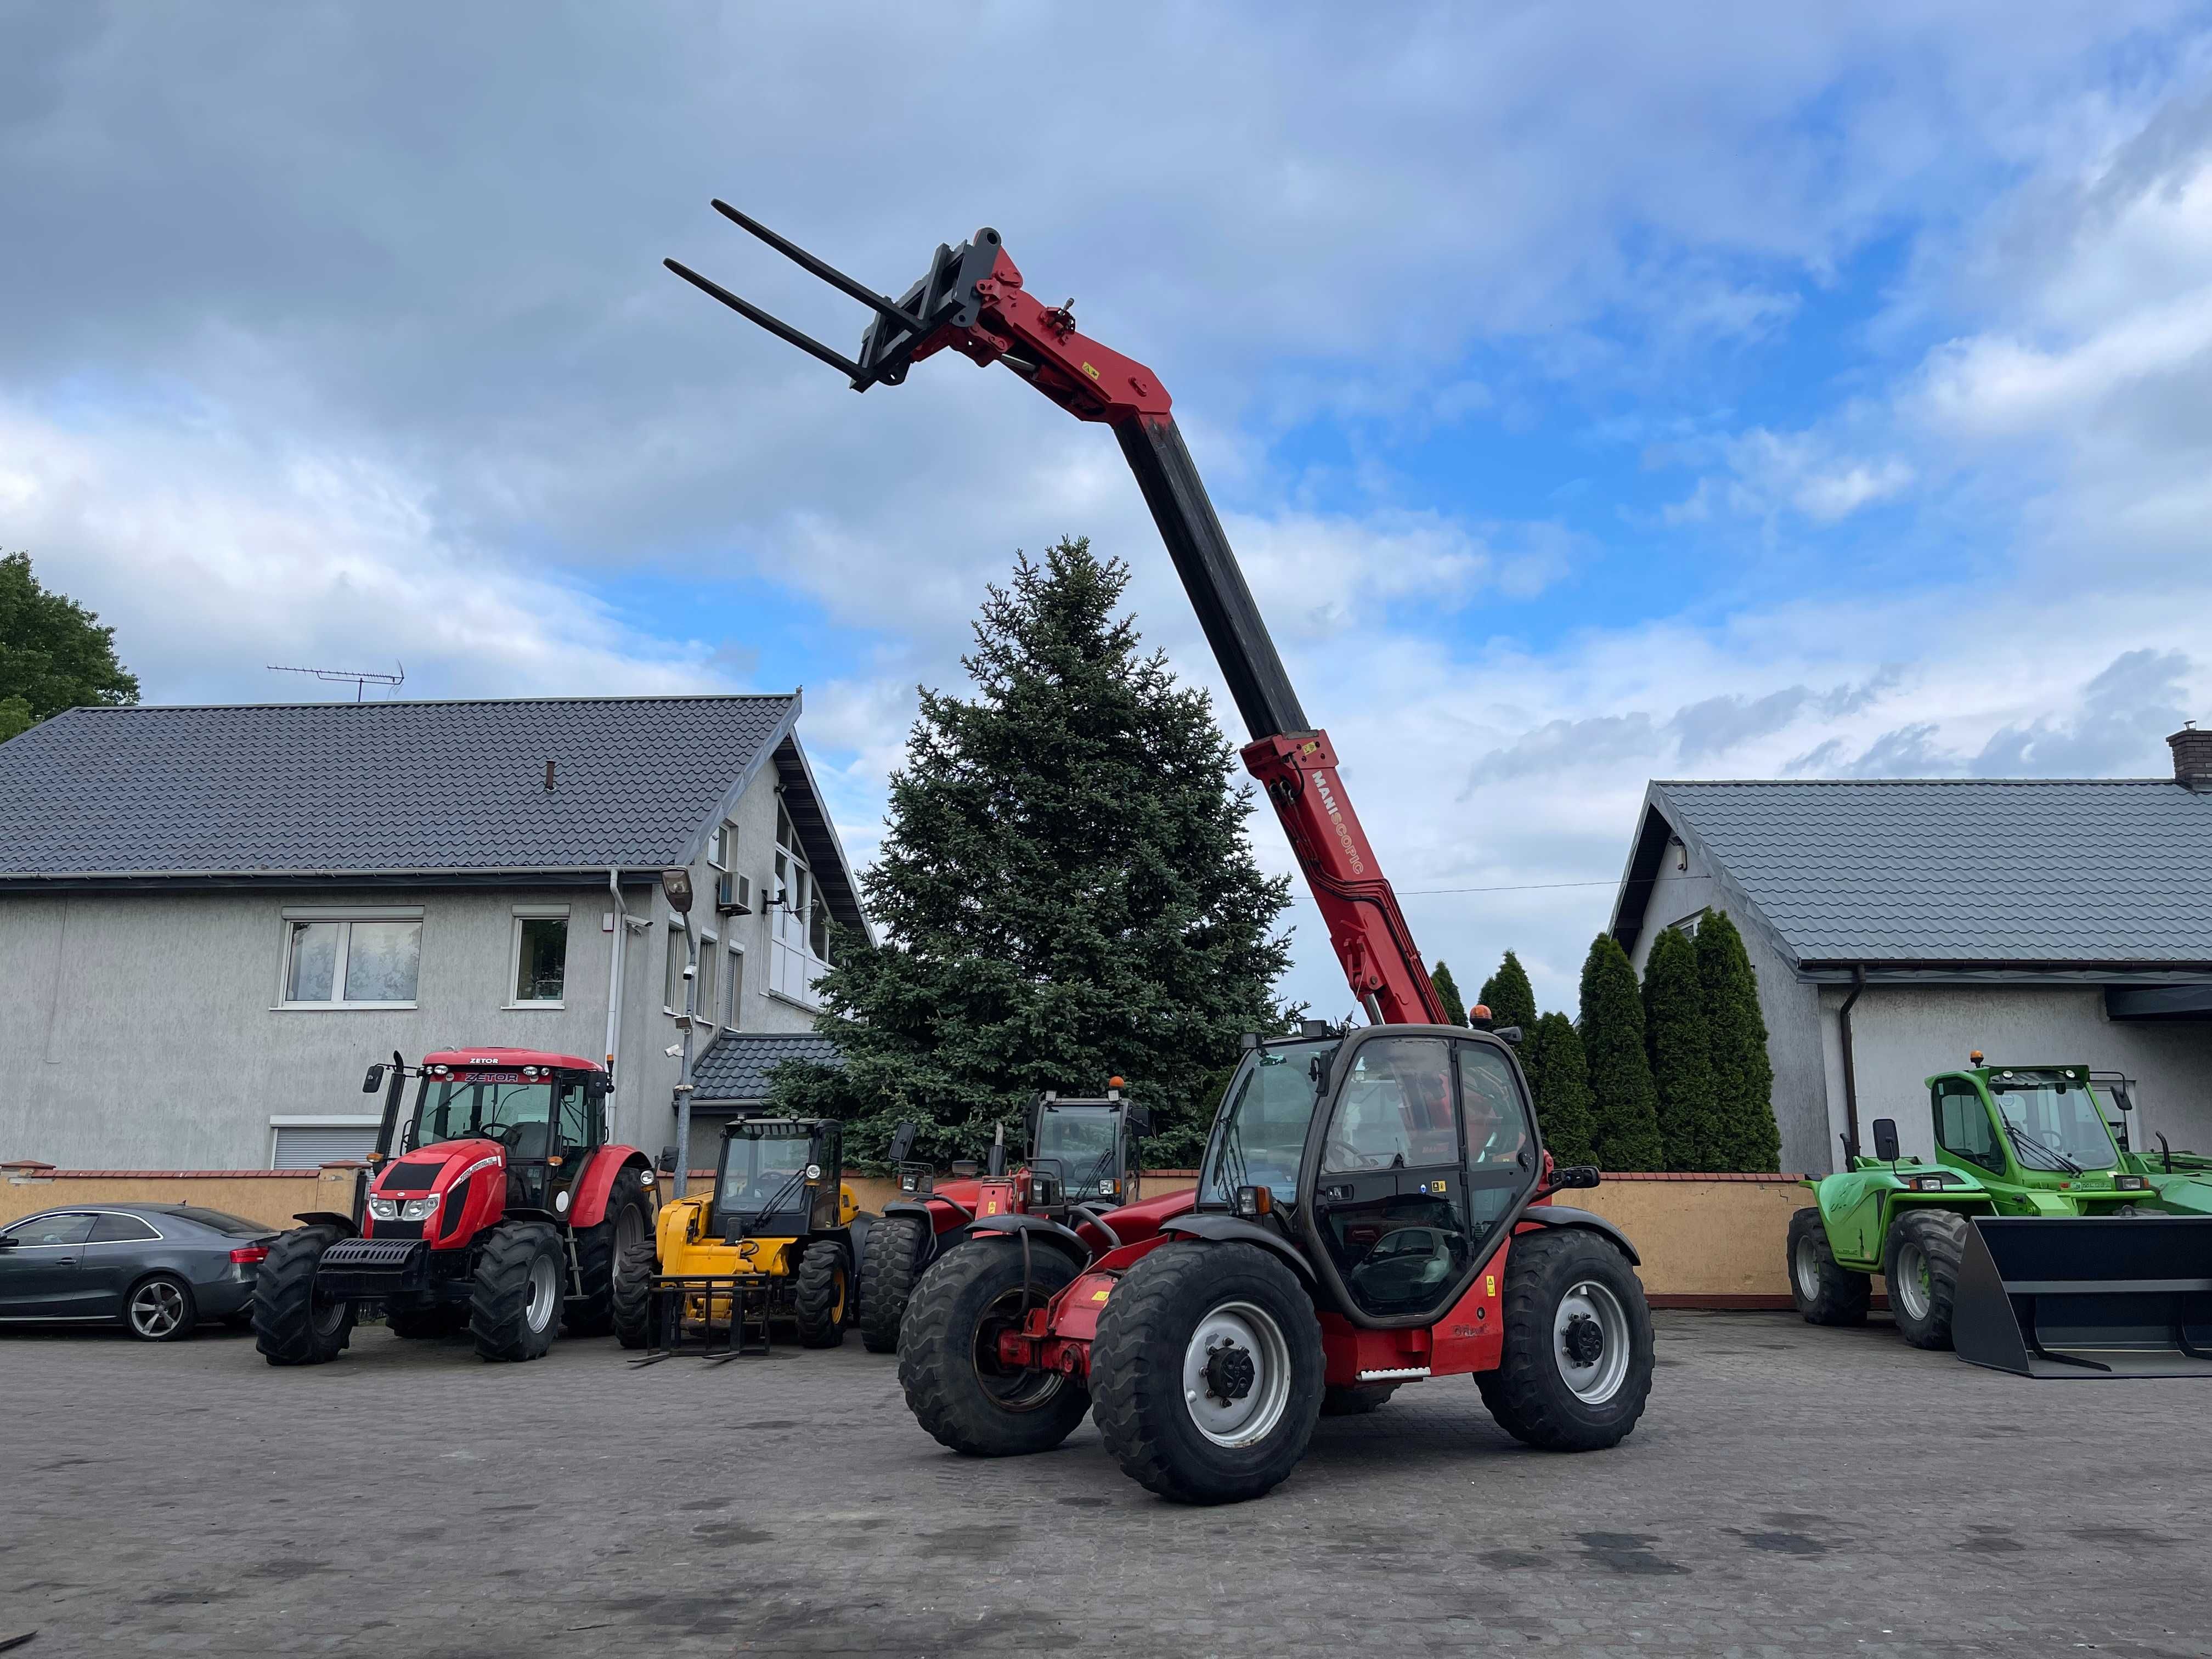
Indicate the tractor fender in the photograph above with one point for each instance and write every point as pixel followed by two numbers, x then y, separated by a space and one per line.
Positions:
pixel 1061 1238
pixel 1561 1215
pixel 344 1224
pixel 1228 1229
pixel 587 1198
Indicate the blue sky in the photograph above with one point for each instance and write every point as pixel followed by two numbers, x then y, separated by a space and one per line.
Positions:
pixel 1593 394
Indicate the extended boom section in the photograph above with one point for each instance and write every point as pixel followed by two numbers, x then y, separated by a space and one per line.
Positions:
pixel 972 301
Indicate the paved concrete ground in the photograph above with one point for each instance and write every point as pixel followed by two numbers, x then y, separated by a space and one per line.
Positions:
pixel 1790 1490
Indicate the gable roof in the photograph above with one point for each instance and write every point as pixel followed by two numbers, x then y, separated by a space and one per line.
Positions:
pixel 1998 873
pixel 736 1066
pixel 267 790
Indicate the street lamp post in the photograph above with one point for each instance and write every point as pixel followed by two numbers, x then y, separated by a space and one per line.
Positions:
pixel 677 884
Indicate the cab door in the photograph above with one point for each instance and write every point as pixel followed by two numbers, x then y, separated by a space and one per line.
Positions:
pixel 1390 1197
pixel 1502 1163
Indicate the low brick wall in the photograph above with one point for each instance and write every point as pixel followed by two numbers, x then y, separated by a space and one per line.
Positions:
pixel 1707 1241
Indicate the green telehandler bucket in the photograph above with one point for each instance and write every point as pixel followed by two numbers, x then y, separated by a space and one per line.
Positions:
pixel 2071 1297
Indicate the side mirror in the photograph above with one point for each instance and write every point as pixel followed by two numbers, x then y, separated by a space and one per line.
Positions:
pixel 1574 1175
pixel 8 1243
pixel 375 1080
pixel 668 1161
pixel 1885 1140
pixel 1140 1120
pixel 902 1140
pixel 1508 1035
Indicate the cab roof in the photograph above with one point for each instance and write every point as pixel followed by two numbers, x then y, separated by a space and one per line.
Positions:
pixel 507 1059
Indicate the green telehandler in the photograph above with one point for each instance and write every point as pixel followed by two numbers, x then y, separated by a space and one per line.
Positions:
pixel 2033 1232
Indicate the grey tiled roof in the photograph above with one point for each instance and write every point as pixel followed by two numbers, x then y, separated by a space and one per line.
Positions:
pixel 736 1066
pixel 317 788
pixel 1984 869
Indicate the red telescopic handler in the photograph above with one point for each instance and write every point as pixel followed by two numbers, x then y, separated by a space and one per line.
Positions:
pixel 1373 1208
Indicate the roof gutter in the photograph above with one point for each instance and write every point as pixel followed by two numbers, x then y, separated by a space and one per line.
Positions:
pixel 1851 1070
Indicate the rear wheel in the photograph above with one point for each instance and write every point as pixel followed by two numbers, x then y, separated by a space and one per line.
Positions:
pixel 949 1364
pixel 1356 1402
pixel 823 1294
pixel 1921 1268
pixel 1825 1293
pixel 515 1301
pixel 1209 1367
pixel 159 1309
pixel 599 1254
pixel 291 1326
pixel 633 1299
pixel 1578 1363
pixel 887 1279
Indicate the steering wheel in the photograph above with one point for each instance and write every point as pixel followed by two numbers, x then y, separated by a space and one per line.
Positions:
pixel 499 1134
pixel 1341 1155
pixel 2052 1138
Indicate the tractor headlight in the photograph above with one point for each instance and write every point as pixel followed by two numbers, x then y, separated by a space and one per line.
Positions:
pixel 418 1209
pixel 383 1209
pixel 2130 1183
pixel 1106 1189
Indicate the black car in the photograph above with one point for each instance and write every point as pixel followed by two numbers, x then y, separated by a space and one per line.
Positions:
pixel 159 1268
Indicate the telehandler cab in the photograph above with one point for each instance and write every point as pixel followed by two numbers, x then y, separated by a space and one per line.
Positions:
pixel 779 1240
pixel 1374 1208
pixel 497 1205
pixel 2032 1241
pixel 1082 1162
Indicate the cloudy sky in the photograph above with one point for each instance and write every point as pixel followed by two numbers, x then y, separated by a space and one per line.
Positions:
pixel 1594 393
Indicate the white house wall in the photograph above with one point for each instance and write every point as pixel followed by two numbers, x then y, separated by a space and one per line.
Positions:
pixel 1901 1035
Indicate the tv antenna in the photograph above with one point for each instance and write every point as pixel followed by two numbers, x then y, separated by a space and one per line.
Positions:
pixel 343 675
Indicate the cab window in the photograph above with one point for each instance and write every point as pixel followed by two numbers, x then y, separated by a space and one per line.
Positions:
pixel 1490 1107
pixel 1395 1112
pixel 1963 1125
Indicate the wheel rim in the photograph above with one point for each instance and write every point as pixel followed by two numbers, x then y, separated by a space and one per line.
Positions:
pixel 544 1292
pixel 837 1301
pixel 1807 1261
pixel 1590 1341
pixel 1910 1287
pixel 327 1317
pixel 1011 1390
pixel 1236 1375
pixel 156 1310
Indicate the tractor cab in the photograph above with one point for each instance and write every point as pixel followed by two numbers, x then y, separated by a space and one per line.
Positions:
pixel 544 1114
pixel 2034 1129
pixel 1398 1157
pixel 1083 1151
pixel 777 1178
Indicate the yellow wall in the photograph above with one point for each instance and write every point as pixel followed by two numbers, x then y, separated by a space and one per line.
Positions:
pixel 270 1195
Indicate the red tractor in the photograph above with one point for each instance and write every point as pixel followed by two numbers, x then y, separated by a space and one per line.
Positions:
pixel 1374 1204
pixel 497 1207
pixel 1082 1162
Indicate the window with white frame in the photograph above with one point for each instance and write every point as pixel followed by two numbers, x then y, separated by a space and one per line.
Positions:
pixel 352 960
pixel 733 988
pixel 671 993
pixel 799 922
pixel 722 847
pixel 709 947
pixel 541 955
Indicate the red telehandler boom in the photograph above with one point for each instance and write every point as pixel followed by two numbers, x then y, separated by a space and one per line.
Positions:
pixel 1373 1207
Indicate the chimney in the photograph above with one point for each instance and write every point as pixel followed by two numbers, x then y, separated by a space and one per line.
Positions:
pixel 2192 758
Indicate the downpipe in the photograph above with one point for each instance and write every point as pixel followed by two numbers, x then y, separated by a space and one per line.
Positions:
pixel 1851 1070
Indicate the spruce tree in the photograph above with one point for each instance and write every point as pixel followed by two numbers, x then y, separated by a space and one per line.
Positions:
pixel 1553 1055
pixel 1743 1075
pixel 1624 1108
pixel 1448 993
pixel 1509 996
pixel 1681 1060
pixel 1065 891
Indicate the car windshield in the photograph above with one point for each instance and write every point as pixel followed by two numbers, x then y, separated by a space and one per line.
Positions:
pixel 1260 1138
pixel 1083 1143
pixel 2054 1114
pixel 463 1107
pixel 764 1166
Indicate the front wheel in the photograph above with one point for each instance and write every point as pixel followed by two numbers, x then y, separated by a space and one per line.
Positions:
pixel 1208 1371
pixel 822 1293
pixel 887 1279
pixel 633 1296
pixel 291 1325
pixel 514 1301
pixel 956 1384
pixel 1920 1266
pixel 1577 1368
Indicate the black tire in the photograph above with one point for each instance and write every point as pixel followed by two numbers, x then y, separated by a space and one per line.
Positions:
pixel 634 1310
pixel 290 1328
pixel 1825 1293
pixel 823 1295
pixel 515 1301
pixel 1565 1287
pixel 1357 1402
pixel 948 1346
pixel 159 1308
pixel 887 1270
pixel 599 1252
pixel 421 1324
pixel 1171 1305
pixel 1920 1267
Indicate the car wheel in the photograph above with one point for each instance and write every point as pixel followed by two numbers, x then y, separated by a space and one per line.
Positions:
pixel 159 1309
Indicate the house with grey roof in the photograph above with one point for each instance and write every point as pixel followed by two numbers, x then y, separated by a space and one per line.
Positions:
pixel 213 919
pixel 1899 925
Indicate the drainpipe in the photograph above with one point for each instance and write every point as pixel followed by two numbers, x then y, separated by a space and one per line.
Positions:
pixel 615 969
pixel 1851 1071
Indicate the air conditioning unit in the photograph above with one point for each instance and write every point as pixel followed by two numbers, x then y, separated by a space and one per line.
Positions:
pixel 733 894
